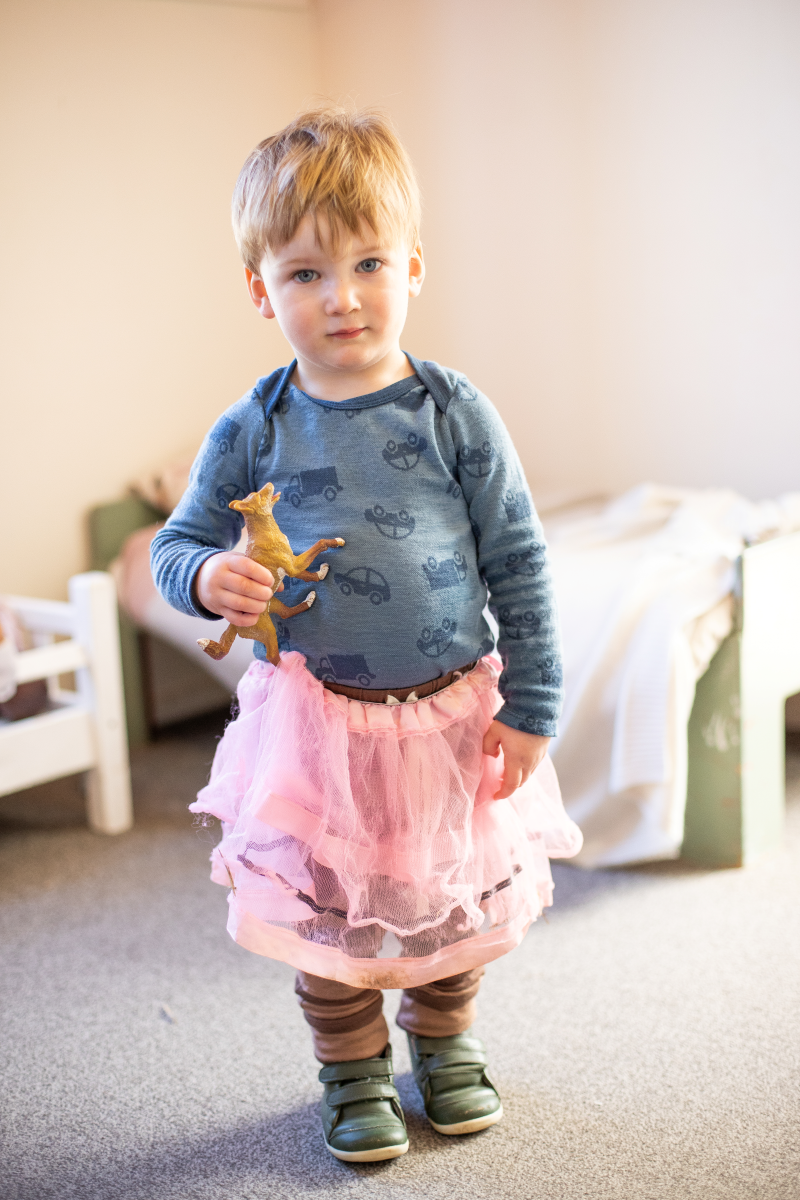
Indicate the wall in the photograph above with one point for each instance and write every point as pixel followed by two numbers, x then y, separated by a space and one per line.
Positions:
pixel 612 192
pixel 126 323
pixel 484 97
pixel 692 111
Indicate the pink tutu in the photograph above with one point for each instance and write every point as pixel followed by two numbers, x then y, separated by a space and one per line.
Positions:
pixel 361 841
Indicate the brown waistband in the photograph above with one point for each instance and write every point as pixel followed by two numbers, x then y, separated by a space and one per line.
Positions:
pixel 380 695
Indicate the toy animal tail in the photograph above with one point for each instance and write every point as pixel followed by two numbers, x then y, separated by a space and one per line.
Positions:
pixel 218 649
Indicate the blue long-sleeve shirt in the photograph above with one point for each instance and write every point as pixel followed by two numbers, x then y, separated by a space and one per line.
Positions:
pixel 423 483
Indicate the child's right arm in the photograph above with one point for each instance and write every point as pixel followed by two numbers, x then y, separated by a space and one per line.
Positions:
pixel 194 565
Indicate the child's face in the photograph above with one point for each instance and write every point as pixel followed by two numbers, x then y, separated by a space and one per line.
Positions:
pixel 341 313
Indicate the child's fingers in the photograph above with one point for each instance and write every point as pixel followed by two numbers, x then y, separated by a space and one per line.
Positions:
pixel 248 606
pixel 491 741
pixel 235 617
pixel 248 568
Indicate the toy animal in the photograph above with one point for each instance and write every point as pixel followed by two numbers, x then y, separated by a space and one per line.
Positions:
pixel 268 546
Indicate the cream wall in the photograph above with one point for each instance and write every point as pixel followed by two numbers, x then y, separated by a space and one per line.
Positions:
pixel 612 194
pixel 692 136
pixel 484 96
pixel 126 326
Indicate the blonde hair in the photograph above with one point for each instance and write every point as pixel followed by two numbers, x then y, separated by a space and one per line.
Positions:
pixel 348 166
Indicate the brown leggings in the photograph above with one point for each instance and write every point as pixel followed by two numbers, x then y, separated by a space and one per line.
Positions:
pixel 347 1023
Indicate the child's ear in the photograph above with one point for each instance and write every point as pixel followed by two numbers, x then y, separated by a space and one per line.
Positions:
pixel 258 293
pixel 416 270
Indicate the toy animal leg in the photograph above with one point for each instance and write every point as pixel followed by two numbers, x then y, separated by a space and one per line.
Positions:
pixel 263 631
pixel 218 649
pixel 277 606
pixel 314 576
pixel 303 561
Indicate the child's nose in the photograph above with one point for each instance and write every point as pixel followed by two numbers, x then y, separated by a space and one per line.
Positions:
pixel 342 297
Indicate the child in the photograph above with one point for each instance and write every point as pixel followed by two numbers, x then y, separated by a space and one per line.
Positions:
pixel 382 824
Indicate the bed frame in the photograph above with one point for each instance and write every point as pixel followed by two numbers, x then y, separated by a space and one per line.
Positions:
pixel 736 788
pixel 735 791
pixel 83 728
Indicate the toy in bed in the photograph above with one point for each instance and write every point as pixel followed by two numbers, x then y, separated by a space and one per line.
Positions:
pixel 267 545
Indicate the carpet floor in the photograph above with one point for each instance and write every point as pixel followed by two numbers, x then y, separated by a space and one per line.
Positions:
pixel 645 1038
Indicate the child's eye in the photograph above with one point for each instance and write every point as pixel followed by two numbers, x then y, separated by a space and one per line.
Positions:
pixel 305 276
pixel 369 266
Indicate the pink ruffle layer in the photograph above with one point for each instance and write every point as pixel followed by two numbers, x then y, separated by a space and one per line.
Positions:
pixel 361 841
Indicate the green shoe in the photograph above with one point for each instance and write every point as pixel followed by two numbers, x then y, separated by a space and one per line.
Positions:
pixel 361 1114
pixel 451 1075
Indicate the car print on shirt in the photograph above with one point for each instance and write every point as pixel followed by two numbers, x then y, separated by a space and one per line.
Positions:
pixel 227 492
pixel 450 572
pixel 224 434
pixel 453 489
pixel 348 667
pixel 405 456
pixel 552 673
pixel 434 642
pixel 517 506
pixel 364 581
pixel 519 625
pixel 476 460
pixel 529 562
pixel 388 524
pixel 321 482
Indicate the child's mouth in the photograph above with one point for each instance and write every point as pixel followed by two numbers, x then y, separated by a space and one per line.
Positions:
pixel 346 334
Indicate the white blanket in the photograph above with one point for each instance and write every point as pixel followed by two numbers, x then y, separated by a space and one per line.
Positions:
pixel 644 587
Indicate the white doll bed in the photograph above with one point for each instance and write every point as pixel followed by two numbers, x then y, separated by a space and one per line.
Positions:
pixel 82 730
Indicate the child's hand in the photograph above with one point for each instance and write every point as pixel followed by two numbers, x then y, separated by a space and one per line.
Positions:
pixel 236 587
pixel 522 753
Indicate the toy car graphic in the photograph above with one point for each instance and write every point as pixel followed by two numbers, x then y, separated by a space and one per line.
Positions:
pixel 530 562
pixel 320 482
pixel 519 625
pixel 336 667
pixel 405 456
pixel 434 642
pixel 445 574
pixel 391 525
pixel 225 433
pixel 364 582
pixel 477 460
pixel 517 507
pixel 227 492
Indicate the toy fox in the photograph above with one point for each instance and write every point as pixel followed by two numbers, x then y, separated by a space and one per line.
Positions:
pixel 268 546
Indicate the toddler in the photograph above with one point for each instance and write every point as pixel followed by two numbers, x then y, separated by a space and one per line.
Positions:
pixel 386 802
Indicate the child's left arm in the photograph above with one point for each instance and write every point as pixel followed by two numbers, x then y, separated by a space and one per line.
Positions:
pixel 513 563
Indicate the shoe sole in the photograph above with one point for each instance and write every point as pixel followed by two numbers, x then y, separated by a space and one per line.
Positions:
pixel 469 1126
pixel 377 1155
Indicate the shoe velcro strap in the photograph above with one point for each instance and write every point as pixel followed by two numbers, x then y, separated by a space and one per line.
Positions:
pixel 424 1045
pixel 351 1093
pixel 363 1068
pixel 449 1059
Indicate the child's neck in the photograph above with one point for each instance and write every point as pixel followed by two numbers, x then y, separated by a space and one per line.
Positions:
pixel 325 383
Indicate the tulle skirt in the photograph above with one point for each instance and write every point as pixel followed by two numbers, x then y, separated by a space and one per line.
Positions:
pixel 361 842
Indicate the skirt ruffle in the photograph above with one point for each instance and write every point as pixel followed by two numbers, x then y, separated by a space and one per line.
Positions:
pixel 361 841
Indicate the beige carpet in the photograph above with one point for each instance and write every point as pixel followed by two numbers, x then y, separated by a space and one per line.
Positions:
pixel 646 1040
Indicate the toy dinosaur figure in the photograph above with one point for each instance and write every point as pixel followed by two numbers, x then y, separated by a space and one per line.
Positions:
pixel 268 546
